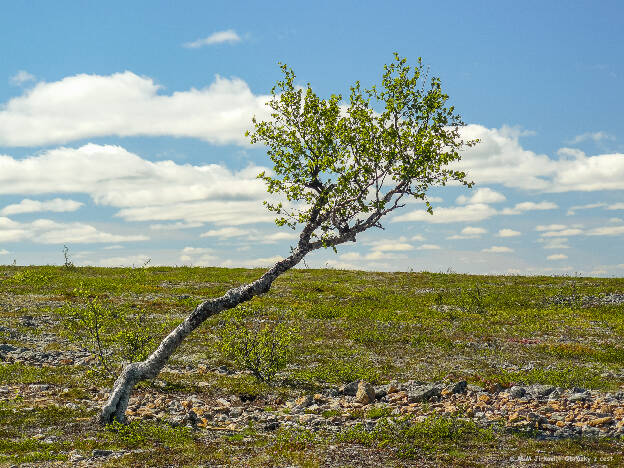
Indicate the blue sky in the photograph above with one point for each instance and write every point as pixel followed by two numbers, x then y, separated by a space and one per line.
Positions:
pixel 121 130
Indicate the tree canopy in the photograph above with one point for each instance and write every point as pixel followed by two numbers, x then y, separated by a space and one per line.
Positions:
pixel 341 166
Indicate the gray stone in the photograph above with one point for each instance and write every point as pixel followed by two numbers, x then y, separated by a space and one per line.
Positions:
pixel 579 397
pixel 7 348
pixel 423 393
pixel 517 391
pixel 271 426
pixel 459 387
pixel 474 388
pixel 350 389
pixel 540 391
pixel 102 453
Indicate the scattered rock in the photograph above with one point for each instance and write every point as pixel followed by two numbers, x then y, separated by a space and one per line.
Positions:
pixel 350 389
pixel 102 453
pixel 424 393
pixel 540 391
pixel 365 393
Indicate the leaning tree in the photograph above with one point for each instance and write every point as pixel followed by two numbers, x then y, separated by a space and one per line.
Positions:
pixel 339 168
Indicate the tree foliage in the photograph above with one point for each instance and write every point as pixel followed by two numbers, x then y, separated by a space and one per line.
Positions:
pixel 342 166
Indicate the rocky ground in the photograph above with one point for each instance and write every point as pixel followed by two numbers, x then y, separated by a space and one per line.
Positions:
pixel 545 411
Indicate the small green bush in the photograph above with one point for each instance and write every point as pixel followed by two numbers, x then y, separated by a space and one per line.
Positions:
pixel 116 336
pixel 263 349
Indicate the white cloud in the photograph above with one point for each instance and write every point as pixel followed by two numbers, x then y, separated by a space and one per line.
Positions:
pixel 497 249
pixel 550 227
pixel 573 209
pixel 482 195
pixel 417 237
pixel 351 256
pixel 469 232
pixel 616 220
pixel 144 190
pixel 607 231
pixel 45 231
pixel 557 257
pixel 529 206
pixel 4 251
pixel 32 206
pixel 226 233
pixel 428 247
pixel 392 246
pixel 200 256
pixel 508 233
pixel 594 136
pixel 277 237
pixel 586 174
pixel 218 37
pixel 555 243
pixel 500 159
pixel 616 206
pixel 563 233
pixel 124 104
pixel 21 77
pixel 468 213
pixel 174 226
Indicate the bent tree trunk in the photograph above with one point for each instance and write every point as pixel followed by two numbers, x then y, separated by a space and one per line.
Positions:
pixel 115 407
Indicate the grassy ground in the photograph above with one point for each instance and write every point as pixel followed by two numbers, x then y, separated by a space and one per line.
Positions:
pixel 352 325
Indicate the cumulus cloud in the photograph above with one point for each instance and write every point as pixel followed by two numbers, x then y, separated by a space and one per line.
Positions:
pixel 554 243
pixel 593 136
pixel 557 257
pixel 500 159
pixel 508 233
pixel 21 77
pixel 32 206
pixel 606 231
pixel 277 237
pixel 46 231
pixel 529 206
pixel 563 232
pixel 125 104
pixel 482 195
pixel 389 246
pixel 143 190
pixel 497 249
pixel 469 232
pixel 174 226
pixel 225 233
pixel 468 213
pixel 573 209
pixel 589 173
pixel 219 37
pixel 428 247
pixel 550 227
pixel 200 256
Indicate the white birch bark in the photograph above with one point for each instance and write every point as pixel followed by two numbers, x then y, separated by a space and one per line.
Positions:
pixel 115 407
